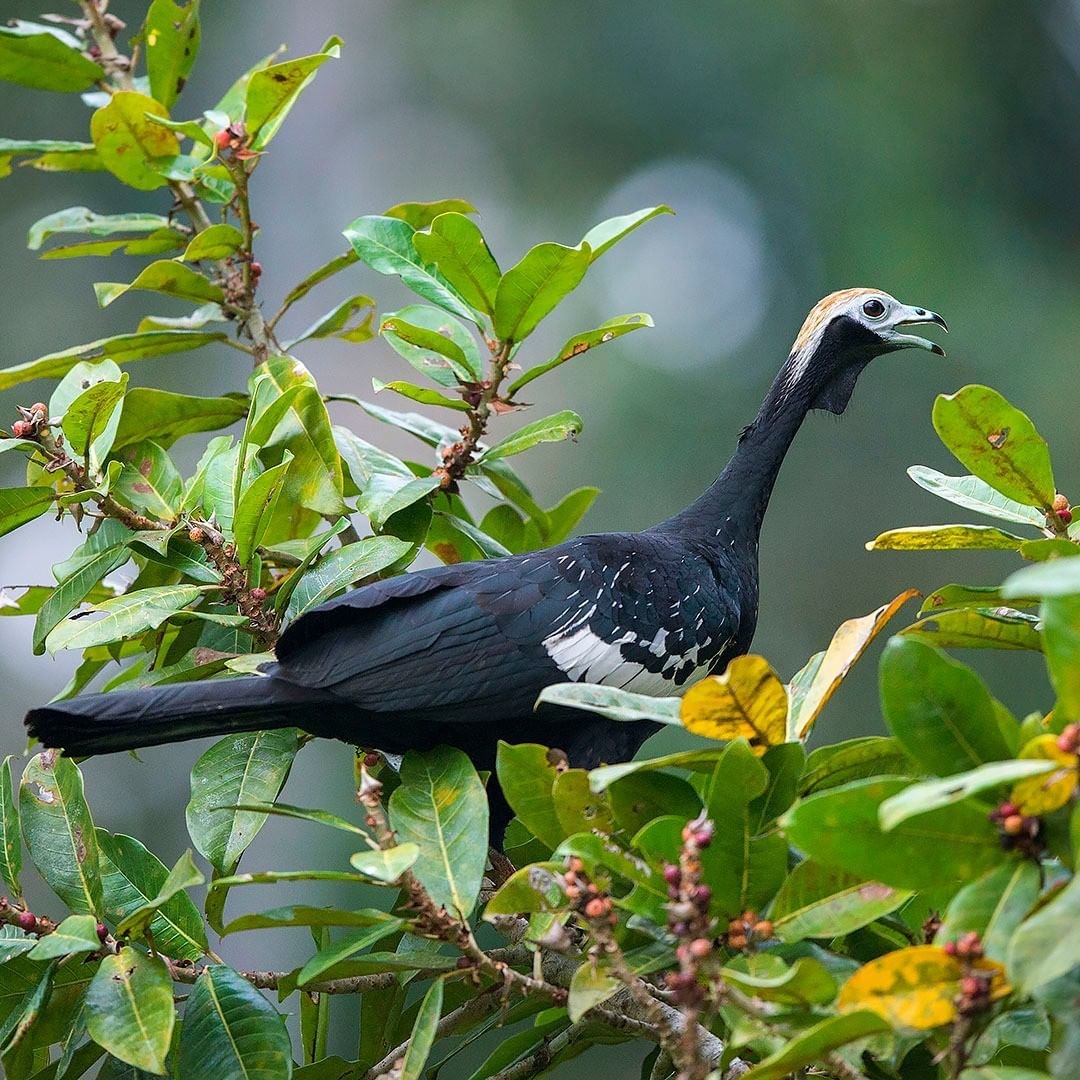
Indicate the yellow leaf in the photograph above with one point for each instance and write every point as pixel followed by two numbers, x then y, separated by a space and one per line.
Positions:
pixel 916 988
pixel 1047 791
pixel 848 643
pixel 748 701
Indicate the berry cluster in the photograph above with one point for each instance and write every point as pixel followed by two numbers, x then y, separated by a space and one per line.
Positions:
pixel 747 930
pixel 1019 832
pixel 234 140
pixel 975 986
pixel 586 895
pixel 33 421
pixel 1062 509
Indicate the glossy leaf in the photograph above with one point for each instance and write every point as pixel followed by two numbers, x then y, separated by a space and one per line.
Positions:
pixel 442 808
pixel 974 494
pixel 164 417
pixel 88 418
pixel 998 443
pixel 555 428
pixel 344 567
pixel 214 242
pixel 748 701
pixel 806 983
pixel 530 290
pixel 423 394
pixel 45 58
pixel 946 538
pixel 455 245
pixel 346 947
pixel 1046 946
pixel 816 1043
pixel 168 277
pixel 840 828
pixel 129 1009
pixel 423 1033
pixel 582 343
pixel 171 35
pixel 10 834
pixel 992 906
pixel 386 245
pixel 699 760
pixel 20 505
pixel 978 628
pixel 272 91
pixel 526 773
pixel 255 511
pixel 300 813
pixel 851 640
pixel 184 875
pixel 612 702
pixel 246 768
pixel 386 864
pixel 435 343
pixel 608 233
pixel 230 1029
pixel 340 322
pixel 59 832
pixel 127 142
pixel 938 709
pixel 914 989
pixel 85 222
pixel 76 934
pixel 818 901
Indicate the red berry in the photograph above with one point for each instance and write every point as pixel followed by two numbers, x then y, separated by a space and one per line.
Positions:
pixel 21 428
pixel 949 948
pixel 596 907
pixel 1007 809
pixel 1065 516
pixel 700 948
pixel 672 874
pixel 258 595
pixel 222 139
pixel 27 921
pixel 256 269
pixel 102 932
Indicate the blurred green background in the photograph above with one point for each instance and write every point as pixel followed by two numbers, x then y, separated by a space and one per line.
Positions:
pixel 930 150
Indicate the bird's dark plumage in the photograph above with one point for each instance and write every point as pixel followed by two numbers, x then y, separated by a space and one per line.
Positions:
pixel 458 654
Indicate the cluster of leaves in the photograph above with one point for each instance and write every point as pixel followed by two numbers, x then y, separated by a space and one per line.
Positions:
pixel 897 907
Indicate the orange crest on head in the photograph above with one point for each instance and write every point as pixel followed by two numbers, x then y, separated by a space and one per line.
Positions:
pixel 822 312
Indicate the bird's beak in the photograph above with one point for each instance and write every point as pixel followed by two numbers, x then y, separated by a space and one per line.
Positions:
pixel 908 316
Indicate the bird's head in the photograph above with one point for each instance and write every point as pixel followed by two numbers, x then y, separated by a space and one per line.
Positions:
pixel 842 334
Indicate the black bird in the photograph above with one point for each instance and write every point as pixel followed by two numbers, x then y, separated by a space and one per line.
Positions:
pixel 458 654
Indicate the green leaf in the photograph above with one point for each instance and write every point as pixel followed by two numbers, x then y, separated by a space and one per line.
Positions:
pixel 76 934
pixel 130 1009
pixel 85 222
pixel 1004 1072
pixel 533 288
pixel 978 628
pixel 526 773
pixel 164 417
pixel 255 511
pixel 435 343
pixel 187 129
pixel 992 906
pixel 127 142
pixel 386 245
pixel 166 276
pixel 973 494
pixel 578 808
pixel 931 795
pixel 998 443
pixel 171 35
pixel 300 813
pixel 423 1033
pixel 336 322
pixel 88 418
pixel 327 270
pixel 386 864
pixel 590 985
pixel 422 394
pixel 231 1030
pixel 22 504
pixel 640 797
pixel 564 517
pixel 701 760
pixel 455 245
pixel 840 828
pixel 1061 637
pixel 421 214
pixel 131 877
pixel 855 759
pixel 608 233
pixel 45 58
pixel 200 317
pixel 302 915
pixel 938 709
pixel 582 343
pixel 17 1057
pixel 157 243
pixel 819 901
pixel 54 155
pixel 123 617
pixel 214 242
pixel 807 982
pixel 344 567
pixel 346 947
pixel 122 350
pixel 1046 945
pixel 612 702
pixel 247 768
pixel 10 835
pixel 1055 577
pixel 59 832
pixel 532 888
pixel 945 538
pixel 814 1044
pixel 441 806
pixel 184 875
pixel 554 428
pixel 272 91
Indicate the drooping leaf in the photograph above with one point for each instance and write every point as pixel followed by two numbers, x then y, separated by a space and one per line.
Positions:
pixel 59 831
pixel 699 760
pixel 747 701
pixel 45 58
pixel 946 538
pixel 992 906
pixel 10 834
pixel 851 640
pixel 455 245
pixel 974 494
pixel 526 773
pixel 531 289
pixel 127 142
pixel 85 222
pixel 304 915
pixel 554 428
pixel 612 702
pixel 442 808
pixel 171 34
pixel 340 322
pixel 915 989
pixel 423 394
pixel 166 276
pixel 129 1009
pixel 998 443
pixel 608 233
pixel 231 1030
pixel 272 91
pixel 435 343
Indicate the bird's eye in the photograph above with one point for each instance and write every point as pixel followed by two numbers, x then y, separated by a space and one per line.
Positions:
pixel 873 308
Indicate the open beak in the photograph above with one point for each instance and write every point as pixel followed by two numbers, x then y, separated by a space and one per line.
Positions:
pixel 913 316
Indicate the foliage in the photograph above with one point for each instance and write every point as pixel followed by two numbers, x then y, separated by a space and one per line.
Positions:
pixel 898 907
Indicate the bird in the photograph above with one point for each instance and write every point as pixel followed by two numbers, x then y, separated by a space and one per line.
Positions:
pixel 458 654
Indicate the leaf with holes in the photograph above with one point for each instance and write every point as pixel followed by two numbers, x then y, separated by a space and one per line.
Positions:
pixel 747 702
pixel 577 806
pixel 998 443
pixel 171 34
pixel 127 142
pixel 59 831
